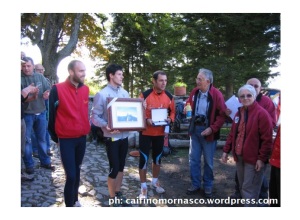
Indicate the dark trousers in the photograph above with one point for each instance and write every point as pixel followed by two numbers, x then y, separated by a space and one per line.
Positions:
pixel 72 151
pixel 94 131
pixel 116 154
pixel 275 186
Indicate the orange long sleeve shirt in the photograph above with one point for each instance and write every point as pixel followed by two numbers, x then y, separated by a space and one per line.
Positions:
pixel 158 100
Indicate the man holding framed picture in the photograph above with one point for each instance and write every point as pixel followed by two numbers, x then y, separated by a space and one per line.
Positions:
pixel 153 136
pixel 116 141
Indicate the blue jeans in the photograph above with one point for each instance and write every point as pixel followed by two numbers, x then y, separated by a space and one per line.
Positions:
pixel 72 151
pixel 35 144
pixel 33 138
pixel 198 147
pixel 38 125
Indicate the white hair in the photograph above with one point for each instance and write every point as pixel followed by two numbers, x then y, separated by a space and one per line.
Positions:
pixel 250 88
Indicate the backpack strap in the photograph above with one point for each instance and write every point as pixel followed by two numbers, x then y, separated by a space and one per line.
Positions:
pixel 147 93
pixel 169 95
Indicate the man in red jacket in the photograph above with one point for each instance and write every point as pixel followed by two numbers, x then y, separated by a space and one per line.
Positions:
pixel 69 124
pixel 208 116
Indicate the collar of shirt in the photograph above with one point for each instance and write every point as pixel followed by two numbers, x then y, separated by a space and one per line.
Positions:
pixel 203 94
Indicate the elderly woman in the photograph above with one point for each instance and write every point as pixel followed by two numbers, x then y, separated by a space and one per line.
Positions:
pixel 250 141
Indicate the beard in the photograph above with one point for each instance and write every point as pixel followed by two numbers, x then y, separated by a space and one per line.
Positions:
pixel 77 79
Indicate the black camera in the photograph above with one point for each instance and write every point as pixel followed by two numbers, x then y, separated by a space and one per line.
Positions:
pixel 201 119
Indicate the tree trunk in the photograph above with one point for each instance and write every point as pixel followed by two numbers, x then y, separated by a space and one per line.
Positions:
pixel 51 56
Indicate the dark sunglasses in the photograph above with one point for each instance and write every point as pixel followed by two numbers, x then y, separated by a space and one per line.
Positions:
pixel 246 96
pixel 255 85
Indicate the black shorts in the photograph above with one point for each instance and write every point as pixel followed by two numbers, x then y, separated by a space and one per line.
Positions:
pixel 116 154
pixel 147 143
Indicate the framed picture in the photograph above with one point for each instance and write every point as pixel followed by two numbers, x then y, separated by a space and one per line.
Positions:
pixel 126 114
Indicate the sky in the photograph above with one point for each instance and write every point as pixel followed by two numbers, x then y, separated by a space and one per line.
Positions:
pixel 10 111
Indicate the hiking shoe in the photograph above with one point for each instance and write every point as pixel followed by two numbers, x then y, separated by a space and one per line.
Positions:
pixel 157 187
pixel 117 202
pixel 77 204
pixel 48 166
pixel 192 190
pixel 236 195
pixel 25 177
pixel 208 192
pixel 29 170
pixel 143 194
pixel 123 199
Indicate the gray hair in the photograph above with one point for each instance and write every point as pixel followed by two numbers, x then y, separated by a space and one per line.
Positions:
pixel 208 74
pixel 248 87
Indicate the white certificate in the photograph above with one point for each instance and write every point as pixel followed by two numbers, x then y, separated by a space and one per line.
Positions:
pixel 159 116
pixel 233 103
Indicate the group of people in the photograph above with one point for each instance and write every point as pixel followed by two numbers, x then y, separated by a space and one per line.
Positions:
pixel 250 138
pixel 69 124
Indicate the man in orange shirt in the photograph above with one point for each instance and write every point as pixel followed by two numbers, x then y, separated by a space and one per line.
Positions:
pixel 157 97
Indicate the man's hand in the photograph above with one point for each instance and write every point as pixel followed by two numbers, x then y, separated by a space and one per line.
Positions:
pixel 259 165
pixel 31 89
pixel 149 121
pixel 168 120
pixel 112 131
pixel 46 94
pixel 206 132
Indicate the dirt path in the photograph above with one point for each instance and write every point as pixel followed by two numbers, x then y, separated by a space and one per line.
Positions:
pixel 175 178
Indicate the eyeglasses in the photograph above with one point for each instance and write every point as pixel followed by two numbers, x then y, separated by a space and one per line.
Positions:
pixel 254 85
pixel 200 80
pixel 42 70
pixel 246 96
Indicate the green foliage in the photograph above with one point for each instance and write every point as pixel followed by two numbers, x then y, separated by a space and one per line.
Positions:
pixel 94 86
pixel 234 46
pixel 58 35
pixel 180 84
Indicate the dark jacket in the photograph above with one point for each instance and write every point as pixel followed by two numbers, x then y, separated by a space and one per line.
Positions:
pixel 257 143
pixel 268 105
pixel 216 111
pixel 68 111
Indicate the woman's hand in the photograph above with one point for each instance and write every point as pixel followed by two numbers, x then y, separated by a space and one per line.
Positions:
pixel 224 157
